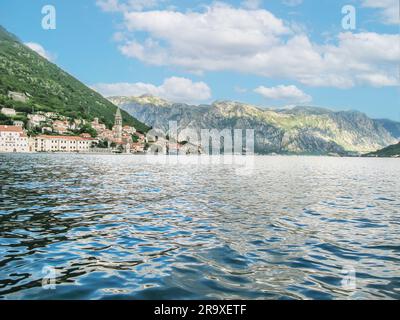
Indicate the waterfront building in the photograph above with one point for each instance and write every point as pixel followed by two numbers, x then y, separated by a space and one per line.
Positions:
pixel 136 147
pixel 120 136
pixel 13 139
pixel 45 143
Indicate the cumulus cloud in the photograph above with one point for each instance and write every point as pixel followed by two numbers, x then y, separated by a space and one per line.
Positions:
pixel 289 94
pixel 364 58
pixel 39 50
pixel 255 41
pixel 389 9
pixel 225 38
pixel 174 89
pixel 109 5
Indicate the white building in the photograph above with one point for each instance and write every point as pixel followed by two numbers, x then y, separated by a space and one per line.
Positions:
pixel 8 112
pixel 45 143
pixel 96 125
pixel 18 123
pixel 35 120
pixel 47 130
pixel 128 129
pixel 13 139
pixel 61 127
pixel 51 115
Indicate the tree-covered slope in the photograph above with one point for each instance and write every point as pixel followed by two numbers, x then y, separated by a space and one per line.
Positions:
pixel 390 151
pixel 48 87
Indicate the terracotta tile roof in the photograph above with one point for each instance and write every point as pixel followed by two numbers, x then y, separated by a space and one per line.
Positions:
pixel 11 129
pixel 71 138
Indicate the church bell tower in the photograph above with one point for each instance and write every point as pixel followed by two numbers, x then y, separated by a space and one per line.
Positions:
pixel 118 125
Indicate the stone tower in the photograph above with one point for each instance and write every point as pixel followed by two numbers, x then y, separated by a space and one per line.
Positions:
pixel 118 125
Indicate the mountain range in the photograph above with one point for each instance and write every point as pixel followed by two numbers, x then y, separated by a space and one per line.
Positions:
pixel 298 130
pixel 48 88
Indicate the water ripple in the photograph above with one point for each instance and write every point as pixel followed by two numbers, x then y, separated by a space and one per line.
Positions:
pixel 118 227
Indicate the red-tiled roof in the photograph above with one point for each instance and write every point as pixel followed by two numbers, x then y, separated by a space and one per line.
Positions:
pixel 85 135
pixel 72 138
pixel 11 129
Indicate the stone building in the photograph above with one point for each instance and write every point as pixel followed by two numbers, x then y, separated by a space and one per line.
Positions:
pixel 13 139
pixel 45 143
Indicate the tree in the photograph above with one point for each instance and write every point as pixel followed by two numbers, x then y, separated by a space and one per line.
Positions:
pixel 135 138
pixel 102 144
pixel 4 120
pixel 87 128
pixel 3 117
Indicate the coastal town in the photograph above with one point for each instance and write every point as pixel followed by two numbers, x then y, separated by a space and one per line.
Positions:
pixel 52 132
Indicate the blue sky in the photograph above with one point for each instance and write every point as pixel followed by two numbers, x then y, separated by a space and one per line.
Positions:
pixel 271 53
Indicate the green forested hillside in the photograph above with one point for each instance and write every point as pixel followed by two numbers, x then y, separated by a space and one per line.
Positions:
pixel 48 87
pixel 390 151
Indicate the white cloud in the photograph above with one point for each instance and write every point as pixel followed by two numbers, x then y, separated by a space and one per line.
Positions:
pixel 255 41
pixel 174 89
pixel 290 94
pixel 225 38
pixel 39 50
pixel 109 5
pixel 389 9
pixel 364 58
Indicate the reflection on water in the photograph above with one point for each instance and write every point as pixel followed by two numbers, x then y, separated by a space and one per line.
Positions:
pixel 118 227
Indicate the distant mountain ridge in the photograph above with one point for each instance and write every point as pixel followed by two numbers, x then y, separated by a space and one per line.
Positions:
pixel 301 130
pixel 49 88
pixel 392 126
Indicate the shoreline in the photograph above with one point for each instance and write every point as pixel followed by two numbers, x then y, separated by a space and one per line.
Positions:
pixel 194 155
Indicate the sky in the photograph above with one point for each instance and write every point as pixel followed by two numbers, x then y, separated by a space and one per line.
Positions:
pixel 339 54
